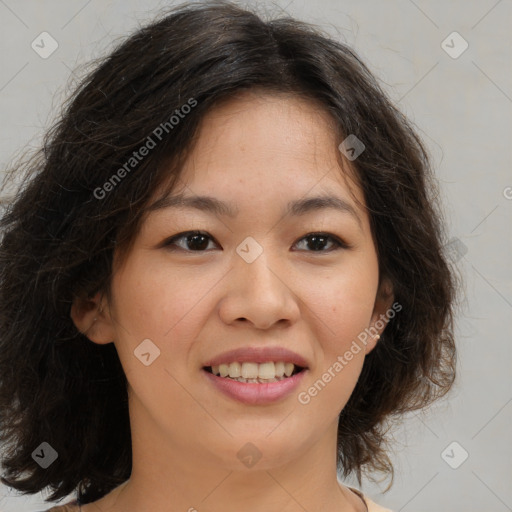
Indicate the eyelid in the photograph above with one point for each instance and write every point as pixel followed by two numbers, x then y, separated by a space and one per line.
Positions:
pixel 183 234
pixel 339 243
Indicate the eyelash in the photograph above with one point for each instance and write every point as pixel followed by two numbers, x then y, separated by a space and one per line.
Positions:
pixel 339 243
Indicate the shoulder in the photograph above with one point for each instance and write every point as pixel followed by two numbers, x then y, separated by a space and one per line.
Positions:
pixel 70 506
pixel 372 506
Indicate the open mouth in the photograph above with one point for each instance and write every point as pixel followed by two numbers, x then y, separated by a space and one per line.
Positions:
pixel 255 372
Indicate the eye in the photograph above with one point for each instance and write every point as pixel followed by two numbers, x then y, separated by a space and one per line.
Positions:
pixel 318 240
pixel 197 241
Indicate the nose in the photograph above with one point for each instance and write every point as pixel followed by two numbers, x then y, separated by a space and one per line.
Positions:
pixel 260 293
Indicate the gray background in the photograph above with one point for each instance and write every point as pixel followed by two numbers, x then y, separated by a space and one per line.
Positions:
pixel 461 107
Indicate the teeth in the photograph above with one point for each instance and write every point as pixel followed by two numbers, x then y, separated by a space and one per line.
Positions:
pixel 254 372
pixel 249 370
pixel 279 369
pixel 235 370
pixel 266 371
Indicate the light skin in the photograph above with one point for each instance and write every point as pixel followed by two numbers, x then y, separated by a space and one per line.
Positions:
pixel 198 299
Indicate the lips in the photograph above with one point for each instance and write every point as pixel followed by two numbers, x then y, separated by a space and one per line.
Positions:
pixel 258 355
pixel 256 394
pixel 257 391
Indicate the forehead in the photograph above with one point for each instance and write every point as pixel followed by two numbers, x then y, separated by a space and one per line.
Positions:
pixel 274 144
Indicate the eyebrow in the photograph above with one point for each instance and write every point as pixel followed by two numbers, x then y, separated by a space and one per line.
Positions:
pixel 215 206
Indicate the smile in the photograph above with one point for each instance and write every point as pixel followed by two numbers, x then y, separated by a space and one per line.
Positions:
pixel 255 372
pixel 275 382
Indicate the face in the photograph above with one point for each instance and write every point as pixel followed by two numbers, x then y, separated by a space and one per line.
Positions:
pixel 305 280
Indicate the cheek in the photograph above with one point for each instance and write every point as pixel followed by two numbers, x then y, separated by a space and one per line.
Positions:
pixel 342 309
pixel 154 301
pixel 343 303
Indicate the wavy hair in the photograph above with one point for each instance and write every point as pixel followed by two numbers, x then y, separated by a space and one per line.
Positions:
pixel 59 236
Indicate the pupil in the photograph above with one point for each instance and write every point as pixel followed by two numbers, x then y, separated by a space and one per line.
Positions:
pixel 315 239
pixel 195 237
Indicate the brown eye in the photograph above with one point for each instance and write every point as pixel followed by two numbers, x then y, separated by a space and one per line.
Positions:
pixel 318 241
pixel 197 241
pixel 194 241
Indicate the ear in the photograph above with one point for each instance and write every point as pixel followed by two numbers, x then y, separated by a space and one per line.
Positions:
pixel 380 316
pixel 92 318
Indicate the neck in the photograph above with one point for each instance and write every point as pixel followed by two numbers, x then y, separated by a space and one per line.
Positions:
pixel 205 474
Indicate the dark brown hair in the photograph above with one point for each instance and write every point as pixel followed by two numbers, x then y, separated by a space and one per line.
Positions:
pixel 59 237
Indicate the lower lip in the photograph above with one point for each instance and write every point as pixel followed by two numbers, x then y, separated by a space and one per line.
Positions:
pixel 253 393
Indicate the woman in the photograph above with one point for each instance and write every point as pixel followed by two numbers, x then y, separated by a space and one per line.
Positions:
pixel 223 278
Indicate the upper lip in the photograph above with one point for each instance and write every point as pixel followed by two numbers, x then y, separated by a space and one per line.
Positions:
pixel 258 355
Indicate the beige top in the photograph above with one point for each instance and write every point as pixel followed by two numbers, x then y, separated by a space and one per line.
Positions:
pixel 370 505
pixel 72 506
